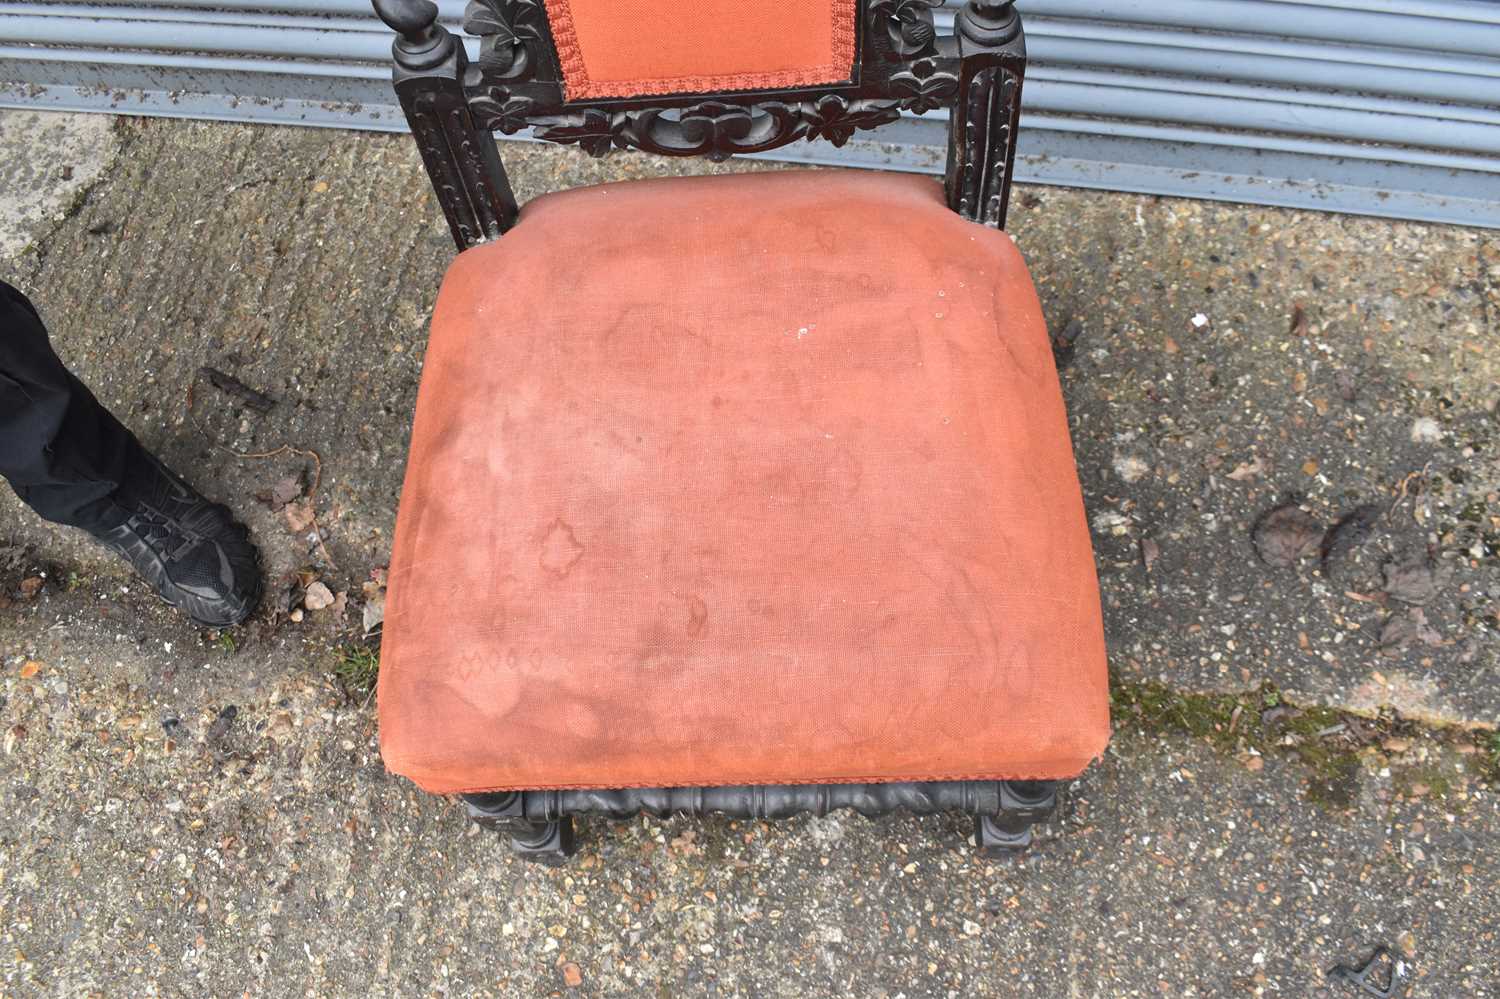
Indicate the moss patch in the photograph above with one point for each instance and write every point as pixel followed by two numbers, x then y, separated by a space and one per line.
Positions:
pixel 1328 743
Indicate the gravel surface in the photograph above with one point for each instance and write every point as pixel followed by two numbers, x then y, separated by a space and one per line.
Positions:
pixel 155 848
pixel 1221 362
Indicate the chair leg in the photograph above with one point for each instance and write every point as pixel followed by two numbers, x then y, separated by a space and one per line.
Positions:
pixel 549 843
pixel 1022 805
pixel 541 841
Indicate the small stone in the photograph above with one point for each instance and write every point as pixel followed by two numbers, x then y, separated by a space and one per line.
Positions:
pixel 1396 745
pixel 317 597
pixel 1426 430
pixel 30 669
pixel 572 975
pixel 1131 468
pixel 373 613
pixel 1255 764
pixel 971 928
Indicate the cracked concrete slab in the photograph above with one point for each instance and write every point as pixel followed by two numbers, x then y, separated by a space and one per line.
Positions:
pixel 163 845
pixel 49 159
pixel 155 848
pixel 1229 358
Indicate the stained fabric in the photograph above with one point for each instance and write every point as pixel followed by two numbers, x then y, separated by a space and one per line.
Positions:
pixel 759 478
pixel 629 48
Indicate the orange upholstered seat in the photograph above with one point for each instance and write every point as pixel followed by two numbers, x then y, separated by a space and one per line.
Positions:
pixel 750 479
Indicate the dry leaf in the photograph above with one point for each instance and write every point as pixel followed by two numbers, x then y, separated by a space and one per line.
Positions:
pixel 285 491
pixel 1150 552
pixel 1416 579
pixel 299 515
pixel 572 975
pixel 30 669
pixel 1243 472
pixel 1299 320
pixel 1405 629
pixel 1285 534
pixel 31 586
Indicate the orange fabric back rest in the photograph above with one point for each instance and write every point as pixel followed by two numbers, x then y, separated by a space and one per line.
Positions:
pixel 634 48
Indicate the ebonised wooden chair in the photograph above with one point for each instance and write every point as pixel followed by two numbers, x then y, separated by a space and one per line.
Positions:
pixel 748 494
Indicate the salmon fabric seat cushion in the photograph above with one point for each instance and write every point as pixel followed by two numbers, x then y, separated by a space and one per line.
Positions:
pixel 633 48
pixel 761 478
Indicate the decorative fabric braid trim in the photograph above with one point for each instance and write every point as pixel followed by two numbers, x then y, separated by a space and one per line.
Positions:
pixel 578 86
pixel 919 779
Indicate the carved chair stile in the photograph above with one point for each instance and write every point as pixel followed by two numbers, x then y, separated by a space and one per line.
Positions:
pixel 900 64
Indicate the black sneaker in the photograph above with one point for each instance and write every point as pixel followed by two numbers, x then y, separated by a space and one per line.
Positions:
pixel 196 555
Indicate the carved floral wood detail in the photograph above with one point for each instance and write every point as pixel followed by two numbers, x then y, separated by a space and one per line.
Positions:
pixel 900 71
pixel 903 66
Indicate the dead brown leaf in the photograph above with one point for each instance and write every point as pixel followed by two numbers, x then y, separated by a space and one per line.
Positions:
pixel 1407 628
pixel 284 491
pixel 31 586
pixel 1285 534
pixel 1299 320
pixel 299 515
pixel 1415 579
pixel 1150 552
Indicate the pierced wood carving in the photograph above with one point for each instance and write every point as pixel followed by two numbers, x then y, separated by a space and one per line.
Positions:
pixel 903 66
pixel 716 129
pixel 512 33
pixel 901 69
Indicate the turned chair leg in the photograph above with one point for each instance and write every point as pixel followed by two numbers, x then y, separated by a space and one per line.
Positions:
pixel 1022 805
pixel 543 841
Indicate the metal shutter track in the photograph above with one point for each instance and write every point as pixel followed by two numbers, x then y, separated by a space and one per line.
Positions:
pixel 1384 107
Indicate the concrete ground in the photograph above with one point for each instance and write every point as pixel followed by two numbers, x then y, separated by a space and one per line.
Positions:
pixel 1304 764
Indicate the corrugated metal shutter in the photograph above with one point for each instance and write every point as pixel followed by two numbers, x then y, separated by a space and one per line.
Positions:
pixel 1384 107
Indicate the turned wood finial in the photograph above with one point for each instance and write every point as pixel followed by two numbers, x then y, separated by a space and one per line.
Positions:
pixel 990 23
pixel 423 43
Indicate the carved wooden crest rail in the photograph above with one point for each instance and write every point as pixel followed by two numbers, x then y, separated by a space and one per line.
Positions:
pixel 902 65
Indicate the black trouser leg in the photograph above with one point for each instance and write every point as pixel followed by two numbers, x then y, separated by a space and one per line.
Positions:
pixel 62 452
